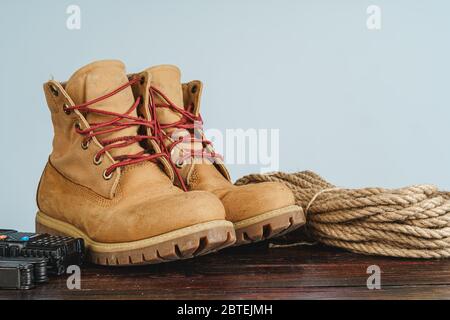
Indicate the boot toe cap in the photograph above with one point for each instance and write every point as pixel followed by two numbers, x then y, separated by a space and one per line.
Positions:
pixel 163 215
pixel 251 200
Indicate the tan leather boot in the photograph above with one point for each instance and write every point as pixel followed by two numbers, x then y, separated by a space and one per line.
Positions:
pixel 99 183
pixel 258 211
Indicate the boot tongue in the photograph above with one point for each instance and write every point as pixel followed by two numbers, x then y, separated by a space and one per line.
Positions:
pixel 167 79
pixel 96 80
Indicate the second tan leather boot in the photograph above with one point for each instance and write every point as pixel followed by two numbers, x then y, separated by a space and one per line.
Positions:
pixel 258 211
pixel 101 185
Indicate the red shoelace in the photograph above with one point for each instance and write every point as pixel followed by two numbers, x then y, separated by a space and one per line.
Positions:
pixel 117 123
pixel 189 122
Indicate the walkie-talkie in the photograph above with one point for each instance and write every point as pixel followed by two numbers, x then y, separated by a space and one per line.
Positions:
pixel 59 251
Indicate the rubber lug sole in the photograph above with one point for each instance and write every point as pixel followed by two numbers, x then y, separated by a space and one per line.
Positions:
pixel 180 244
pixel 269 225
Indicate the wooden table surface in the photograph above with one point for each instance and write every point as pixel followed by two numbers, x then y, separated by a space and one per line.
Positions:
pixel 257 272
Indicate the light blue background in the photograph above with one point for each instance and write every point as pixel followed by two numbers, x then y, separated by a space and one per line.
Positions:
pixel 359 107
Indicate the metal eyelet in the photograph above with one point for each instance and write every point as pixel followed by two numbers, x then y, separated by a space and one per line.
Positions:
pixel 77 126
pixel 66 109
pixel 54 90
pixel 98 160
pixel 179 164
pixel 85 144
pixel 142 81
pixel 107 177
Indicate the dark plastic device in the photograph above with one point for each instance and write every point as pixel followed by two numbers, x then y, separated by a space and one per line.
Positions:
pixel 39 266
pixel 59 251
pixel 16 275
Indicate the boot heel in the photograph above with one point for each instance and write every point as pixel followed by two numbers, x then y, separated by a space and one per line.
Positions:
pixel 40 228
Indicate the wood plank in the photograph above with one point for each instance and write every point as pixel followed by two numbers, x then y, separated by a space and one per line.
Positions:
pixel 257 272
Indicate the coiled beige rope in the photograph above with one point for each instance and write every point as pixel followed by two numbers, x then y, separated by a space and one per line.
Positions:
pixel 412 222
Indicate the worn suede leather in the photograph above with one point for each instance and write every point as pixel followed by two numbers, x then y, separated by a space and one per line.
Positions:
pixel 143 207
pixel 67 155
pixel 140 201
pixel 240 202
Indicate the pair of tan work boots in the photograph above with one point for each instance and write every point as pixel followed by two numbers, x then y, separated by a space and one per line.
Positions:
pixel 131 174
